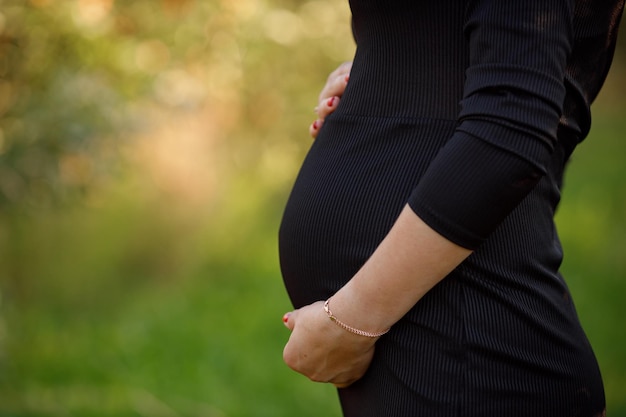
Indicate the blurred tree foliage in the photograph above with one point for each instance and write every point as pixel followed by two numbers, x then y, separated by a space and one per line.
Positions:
pixel 76 77
pixel 63 87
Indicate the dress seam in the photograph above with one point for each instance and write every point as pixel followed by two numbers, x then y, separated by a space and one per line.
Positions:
pixel 338 117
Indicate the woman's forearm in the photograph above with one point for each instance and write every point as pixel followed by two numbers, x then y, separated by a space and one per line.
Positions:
pixel 410 261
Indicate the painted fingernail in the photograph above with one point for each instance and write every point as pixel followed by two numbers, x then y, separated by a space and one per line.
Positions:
pixel 316 125
pixel 330 102
pixel 286 317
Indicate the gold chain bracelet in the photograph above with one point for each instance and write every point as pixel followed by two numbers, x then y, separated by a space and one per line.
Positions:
pixel 350 328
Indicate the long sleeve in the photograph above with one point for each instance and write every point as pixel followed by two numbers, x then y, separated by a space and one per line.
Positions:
pixel 512 102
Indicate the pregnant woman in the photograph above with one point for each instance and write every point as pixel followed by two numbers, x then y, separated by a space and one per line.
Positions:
pixel 418 244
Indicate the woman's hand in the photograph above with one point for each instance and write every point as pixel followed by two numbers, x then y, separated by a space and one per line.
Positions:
pixel 330 95
pixel 323 351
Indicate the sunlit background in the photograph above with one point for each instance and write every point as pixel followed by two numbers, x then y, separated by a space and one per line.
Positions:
pixel 147 148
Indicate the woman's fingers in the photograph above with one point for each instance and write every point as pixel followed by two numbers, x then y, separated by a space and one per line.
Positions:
pixel 336 82
pixel 324 109
pixel 314 128
pixel 289 321
pixel 330 95
pixel 327 106
pixel 335 86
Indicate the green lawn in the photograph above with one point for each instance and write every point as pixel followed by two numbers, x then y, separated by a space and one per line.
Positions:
pixel 109 323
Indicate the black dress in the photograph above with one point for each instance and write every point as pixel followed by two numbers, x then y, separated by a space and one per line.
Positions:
pixel 468 112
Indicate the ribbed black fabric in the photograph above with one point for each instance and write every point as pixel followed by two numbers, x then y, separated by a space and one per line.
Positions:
pixel 468 111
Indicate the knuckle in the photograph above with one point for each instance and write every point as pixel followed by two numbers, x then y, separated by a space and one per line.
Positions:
pixel 317 378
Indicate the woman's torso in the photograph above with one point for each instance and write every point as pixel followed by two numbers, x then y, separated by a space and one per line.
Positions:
pixel 506 310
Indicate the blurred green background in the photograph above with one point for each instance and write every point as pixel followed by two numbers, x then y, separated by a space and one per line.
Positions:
pixel 146 151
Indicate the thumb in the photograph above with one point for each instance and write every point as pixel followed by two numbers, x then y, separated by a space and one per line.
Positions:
pixel 289 319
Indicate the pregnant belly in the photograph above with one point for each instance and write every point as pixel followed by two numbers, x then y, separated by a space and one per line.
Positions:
pixel 352 186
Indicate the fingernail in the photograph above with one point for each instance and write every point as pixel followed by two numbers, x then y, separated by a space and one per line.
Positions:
pixel 330 102
pixel 315 125
pixel 286 317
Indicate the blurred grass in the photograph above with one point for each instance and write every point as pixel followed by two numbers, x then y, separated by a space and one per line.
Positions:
pixel 592 221
pixel 159 292
pixel 117 312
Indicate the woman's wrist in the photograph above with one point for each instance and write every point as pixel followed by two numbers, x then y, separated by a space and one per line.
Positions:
pixel 359 312
pixel 349 328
